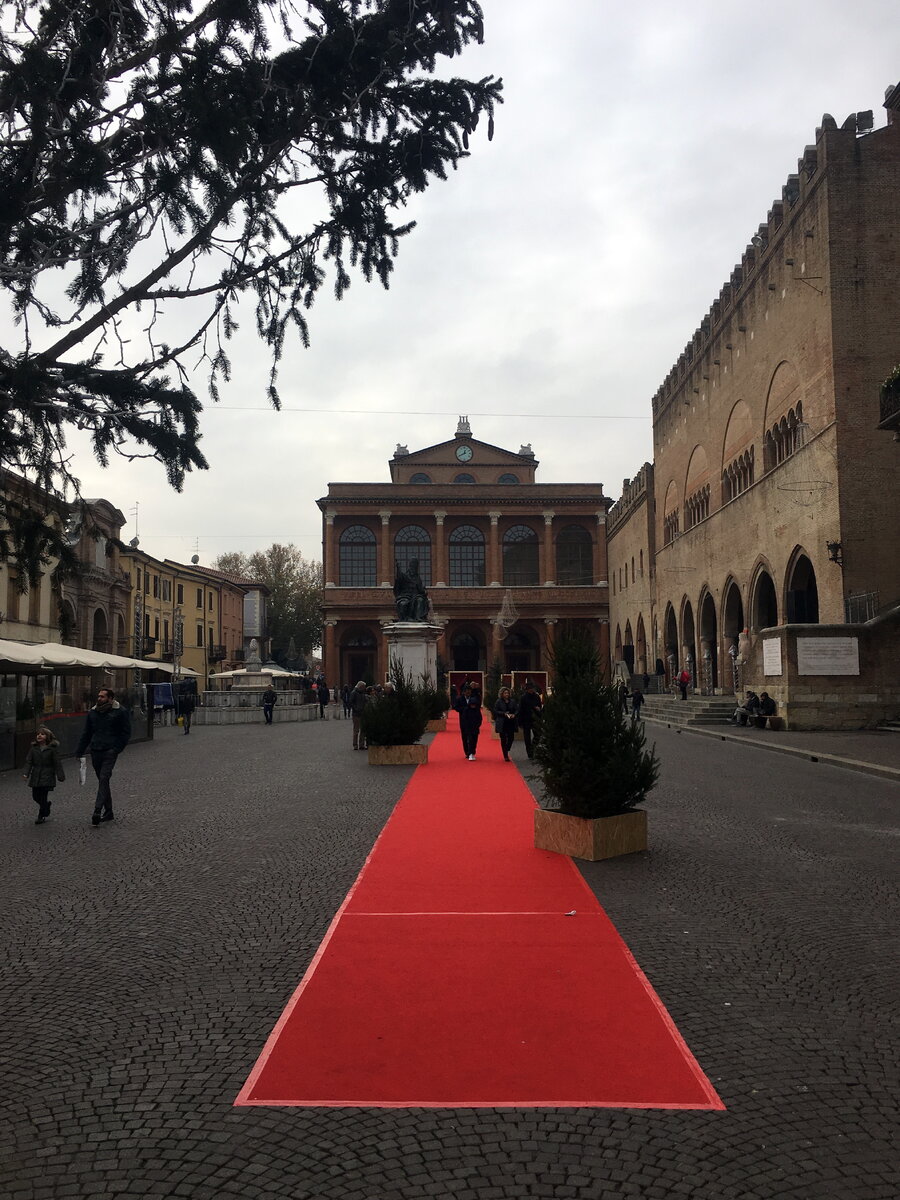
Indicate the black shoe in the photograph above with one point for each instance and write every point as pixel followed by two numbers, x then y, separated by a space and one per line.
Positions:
pixel 107 816
pixel 41 819
pixel 95 818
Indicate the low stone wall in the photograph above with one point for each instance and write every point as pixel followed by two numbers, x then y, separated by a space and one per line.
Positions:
pixel 281 715
pixel 840 700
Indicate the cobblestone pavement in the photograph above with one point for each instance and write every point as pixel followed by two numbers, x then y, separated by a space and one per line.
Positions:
pixel 147 960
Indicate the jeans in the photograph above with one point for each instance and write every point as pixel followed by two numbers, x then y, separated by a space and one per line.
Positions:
pixel 268 709
pixel 103 762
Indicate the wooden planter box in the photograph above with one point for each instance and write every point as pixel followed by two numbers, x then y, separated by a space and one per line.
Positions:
pixel 439 725
pixel 398 756
pixel 605 837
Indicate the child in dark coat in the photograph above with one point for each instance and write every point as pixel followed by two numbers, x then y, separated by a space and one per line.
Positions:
pixel 469 725
pixel 43 767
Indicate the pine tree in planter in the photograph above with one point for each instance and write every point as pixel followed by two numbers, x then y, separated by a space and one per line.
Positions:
pixel 592 762
pixel 394 723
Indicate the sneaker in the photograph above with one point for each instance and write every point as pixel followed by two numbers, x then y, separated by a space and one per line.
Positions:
pixel 471 758
pixel 95 818
pixel 107 816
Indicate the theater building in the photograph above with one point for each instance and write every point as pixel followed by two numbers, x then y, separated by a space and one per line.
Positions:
pixel 507 561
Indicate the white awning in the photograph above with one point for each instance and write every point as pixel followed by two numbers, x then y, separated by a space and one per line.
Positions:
pixel 276 672
pixel 54 654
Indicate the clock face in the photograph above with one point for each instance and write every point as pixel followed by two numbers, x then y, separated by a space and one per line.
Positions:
pixel 463 453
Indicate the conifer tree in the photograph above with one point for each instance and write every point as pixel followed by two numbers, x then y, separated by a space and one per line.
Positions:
pixel 591 757
pixel 159 162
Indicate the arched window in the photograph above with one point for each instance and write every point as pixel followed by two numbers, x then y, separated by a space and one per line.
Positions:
pixel 420 477
pixel 413 542
pixel 574 556
pixel 357 557
pixel 508 478
pixel 520 557
pixel 466 557
pixel 463 478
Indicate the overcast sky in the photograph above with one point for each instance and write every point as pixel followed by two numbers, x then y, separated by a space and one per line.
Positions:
pixel 554 279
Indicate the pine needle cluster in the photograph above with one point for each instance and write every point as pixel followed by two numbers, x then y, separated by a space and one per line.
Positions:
pixel 397 718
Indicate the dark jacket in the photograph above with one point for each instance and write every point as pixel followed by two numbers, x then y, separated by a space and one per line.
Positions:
pixel 324 694
pixel 358 701
pixel 269 698
pixel 529 709
pixel 470 717
pixel 187 702
pixel 43 766
pixel 106 730
pixel 501 720
pixel 767 707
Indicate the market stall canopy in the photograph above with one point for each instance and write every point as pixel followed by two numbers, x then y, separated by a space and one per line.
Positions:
pixel 53 655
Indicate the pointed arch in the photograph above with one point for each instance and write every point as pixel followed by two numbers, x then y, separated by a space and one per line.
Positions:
pixel 801 593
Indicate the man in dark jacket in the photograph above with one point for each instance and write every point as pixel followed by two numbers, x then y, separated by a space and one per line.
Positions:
pixel 107 731
pixel 529 716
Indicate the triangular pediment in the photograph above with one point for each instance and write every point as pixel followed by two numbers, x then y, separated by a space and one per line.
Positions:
pixel 445 452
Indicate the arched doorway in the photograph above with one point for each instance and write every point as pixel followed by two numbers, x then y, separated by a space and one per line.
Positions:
pixel 100 631
pixel 465 652
pixel 802 593
pixel 709 646
pixel 732 627
pixel 519 650
pixel 628 648
pixel 358 657
pixel 618 644
pixel 764 604
pixel 640 648
pixel 670 643
pixel 689 640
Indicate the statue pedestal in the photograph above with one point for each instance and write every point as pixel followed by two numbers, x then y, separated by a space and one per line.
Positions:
pixel 413 644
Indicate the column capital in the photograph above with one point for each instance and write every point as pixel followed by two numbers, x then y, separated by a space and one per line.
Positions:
pixel 385 514
pixel 331 622
pixel 495 517
pixel 439 516
pixel 330 514
pixel 550 620
pixel 549 514
pixel 601 518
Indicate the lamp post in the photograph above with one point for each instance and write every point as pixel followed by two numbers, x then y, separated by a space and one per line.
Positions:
pixel 178 642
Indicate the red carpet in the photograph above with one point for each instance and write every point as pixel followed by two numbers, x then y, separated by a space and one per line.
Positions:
pixel 467 969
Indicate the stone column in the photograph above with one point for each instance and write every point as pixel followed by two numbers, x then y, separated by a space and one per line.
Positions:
pixel 387 567
pixel 550 635
pixel 549 566
pixel 601 576
pixel 494 551
pixel 440 565
pixel 329 550
pixel 330 666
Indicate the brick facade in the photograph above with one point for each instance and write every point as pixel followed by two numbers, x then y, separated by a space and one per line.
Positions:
pixel 768 463
pixel 480 526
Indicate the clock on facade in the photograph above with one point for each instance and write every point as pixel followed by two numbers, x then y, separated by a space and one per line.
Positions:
pixel 463 453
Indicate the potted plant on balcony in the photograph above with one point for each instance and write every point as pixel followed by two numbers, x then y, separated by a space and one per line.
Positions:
pixel 592 762
pixel 393 723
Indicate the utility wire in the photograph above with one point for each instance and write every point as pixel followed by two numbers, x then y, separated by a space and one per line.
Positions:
pixel 404 412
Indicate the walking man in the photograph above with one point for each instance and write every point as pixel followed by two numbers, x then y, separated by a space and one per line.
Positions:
pixel 529 717
pixel 269 700
pixel 186 705
pixel 107 731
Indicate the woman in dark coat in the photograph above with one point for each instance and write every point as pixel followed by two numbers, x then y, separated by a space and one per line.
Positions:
pixel 505 720
pixel 43 767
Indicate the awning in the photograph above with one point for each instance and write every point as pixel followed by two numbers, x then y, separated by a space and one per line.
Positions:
pixel 53 655
pixel 276 672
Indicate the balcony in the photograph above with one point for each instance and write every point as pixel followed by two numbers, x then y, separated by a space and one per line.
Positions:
pixel 239 655
pixel 149 647
pixel 217 653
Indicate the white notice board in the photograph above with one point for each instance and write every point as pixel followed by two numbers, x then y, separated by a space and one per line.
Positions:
pixel 828 656
pixel 772 656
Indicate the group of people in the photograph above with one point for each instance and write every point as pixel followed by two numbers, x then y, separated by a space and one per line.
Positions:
pixel 106 733
pixel 754 706
pixel 635 699
pixel 509 715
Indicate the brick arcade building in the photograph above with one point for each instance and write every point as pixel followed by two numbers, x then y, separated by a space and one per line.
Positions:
pixel 484 533
pixel 771 504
